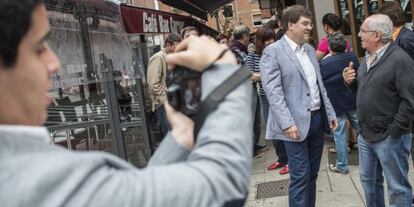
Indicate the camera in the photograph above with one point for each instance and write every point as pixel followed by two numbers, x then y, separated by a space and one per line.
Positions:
pixel 184 90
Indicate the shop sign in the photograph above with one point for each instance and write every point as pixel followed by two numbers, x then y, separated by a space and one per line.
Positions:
pixel 138 20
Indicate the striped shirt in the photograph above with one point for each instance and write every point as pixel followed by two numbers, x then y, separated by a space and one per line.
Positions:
pixel 253 62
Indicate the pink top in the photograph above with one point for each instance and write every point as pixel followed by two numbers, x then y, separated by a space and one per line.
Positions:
pixel 324 45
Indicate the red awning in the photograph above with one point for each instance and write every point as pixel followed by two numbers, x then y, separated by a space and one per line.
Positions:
pixel 147 21
pixel 198 8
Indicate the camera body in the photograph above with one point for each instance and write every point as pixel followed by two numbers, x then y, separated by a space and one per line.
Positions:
pixel 184 90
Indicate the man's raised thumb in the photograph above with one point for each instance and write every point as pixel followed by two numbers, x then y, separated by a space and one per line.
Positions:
pixel 351 65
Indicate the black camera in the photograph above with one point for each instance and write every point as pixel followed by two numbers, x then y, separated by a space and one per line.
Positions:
pixel 184 90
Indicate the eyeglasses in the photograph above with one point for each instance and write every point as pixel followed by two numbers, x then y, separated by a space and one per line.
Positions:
pixel 366 31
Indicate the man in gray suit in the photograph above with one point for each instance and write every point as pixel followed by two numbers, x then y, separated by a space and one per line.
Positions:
pixel 212 172
pixel 298 103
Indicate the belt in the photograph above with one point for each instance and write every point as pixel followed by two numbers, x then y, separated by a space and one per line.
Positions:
pixel 315 112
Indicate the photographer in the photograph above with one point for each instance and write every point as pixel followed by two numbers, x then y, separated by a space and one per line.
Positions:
pixel 214 171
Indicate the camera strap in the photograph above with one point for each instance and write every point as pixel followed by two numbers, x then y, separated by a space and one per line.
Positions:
pixel 217 96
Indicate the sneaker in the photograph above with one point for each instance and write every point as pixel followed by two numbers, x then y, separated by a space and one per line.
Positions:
pixel 333 150
pixel 275 165
pixel 333 168
pixel 284 170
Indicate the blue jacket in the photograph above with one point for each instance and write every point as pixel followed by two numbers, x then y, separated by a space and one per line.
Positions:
pixel 341 97
pixel 406 41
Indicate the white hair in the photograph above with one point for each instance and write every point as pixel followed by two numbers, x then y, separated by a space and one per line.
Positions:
pixel 382 24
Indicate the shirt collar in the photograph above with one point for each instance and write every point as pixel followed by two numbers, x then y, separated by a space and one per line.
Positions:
pixel 396 33
pixel 294 45
pixel 17 131
pixel 379 52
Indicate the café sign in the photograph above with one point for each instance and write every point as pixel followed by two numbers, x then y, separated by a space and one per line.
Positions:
pixel 138 20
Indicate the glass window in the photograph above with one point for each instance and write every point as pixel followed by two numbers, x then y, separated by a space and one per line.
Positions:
pixel 228 11
pixel 257 20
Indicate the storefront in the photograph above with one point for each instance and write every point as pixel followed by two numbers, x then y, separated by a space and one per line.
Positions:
pixel 98 95
pixel 100 100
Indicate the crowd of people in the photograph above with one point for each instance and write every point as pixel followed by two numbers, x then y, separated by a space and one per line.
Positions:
pixel 305 92
pixel 298 92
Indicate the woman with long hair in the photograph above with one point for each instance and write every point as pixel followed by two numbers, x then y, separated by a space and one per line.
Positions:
pixel 265 36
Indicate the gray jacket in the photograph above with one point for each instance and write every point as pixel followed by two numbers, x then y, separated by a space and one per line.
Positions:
pixel 385 97
pixel 287 90
pixel 215 173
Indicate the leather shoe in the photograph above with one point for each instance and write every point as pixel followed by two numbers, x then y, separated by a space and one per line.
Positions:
pixel 284 170
pixel 275 165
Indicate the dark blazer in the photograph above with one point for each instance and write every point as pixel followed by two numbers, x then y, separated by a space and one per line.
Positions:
pixel 406 41
pixel 341 97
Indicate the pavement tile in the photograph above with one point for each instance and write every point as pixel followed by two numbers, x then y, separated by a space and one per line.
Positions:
pixel 255 179
pixel 256 203
pixel 276 201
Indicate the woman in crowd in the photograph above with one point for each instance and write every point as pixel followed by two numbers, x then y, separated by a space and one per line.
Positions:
pixel 331 23
pixel 342 99
pixel 265 36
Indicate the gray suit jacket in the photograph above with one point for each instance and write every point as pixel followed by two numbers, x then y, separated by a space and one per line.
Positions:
pixel 216 172
pixel 287 90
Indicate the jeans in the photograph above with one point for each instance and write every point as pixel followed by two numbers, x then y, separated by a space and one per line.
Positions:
pixel 257 119
pixel 265 107
pixel 162 119
pixel 340 139
pixel 304 161
pixel 277 144
pixel 389 156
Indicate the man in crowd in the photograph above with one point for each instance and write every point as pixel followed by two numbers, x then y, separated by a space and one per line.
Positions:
pixel 402 36
pixel 298 103
pixel 156 79
pixel 277 27
pixel 186 32
pixel 385 110
pixel 239 48
pixel 239 43
pixel 181 173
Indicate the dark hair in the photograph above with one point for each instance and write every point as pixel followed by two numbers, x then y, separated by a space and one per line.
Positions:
pixel 188 29
pixel 333 21
pixel 337 42
pixel 272 24
pixel 293 13
pixel 219 37
pixel 395 12
pixel 263 34
pixel 15 22
pixel 171 38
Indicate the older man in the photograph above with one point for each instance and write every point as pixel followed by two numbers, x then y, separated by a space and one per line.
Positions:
pixel 35 173
pixel 298 103
pixel 385 109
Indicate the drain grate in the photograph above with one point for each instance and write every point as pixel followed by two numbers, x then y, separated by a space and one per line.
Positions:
pixel 273 189
pixel 352 158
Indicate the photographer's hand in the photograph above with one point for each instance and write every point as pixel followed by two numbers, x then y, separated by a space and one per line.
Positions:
pixel 182 127
pixel 198 52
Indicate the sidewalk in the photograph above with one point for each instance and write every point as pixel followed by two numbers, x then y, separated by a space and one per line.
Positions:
pixel 332 189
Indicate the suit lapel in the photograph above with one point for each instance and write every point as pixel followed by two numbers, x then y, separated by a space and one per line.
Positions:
pixel 292 56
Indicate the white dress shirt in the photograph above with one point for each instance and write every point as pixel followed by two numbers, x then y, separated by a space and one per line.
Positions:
pixel 309 71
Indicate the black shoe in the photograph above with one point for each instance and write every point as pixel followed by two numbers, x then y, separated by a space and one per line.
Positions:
pixel 260 147
pixel 256 155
